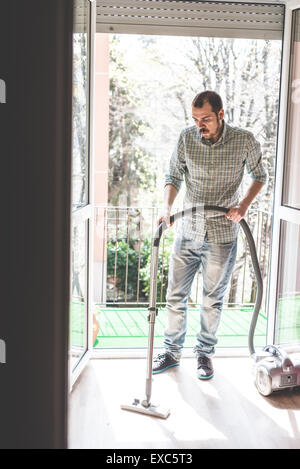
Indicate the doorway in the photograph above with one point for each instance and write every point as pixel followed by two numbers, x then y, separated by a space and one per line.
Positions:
pixel 285 234
pixel 150 90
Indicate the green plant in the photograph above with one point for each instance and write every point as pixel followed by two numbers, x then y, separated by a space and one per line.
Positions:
pixel 119 252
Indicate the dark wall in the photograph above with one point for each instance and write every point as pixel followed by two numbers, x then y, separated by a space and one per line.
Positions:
pixel 35 149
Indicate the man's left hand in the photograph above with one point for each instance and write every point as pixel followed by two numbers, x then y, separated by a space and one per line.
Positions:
pixel 235 214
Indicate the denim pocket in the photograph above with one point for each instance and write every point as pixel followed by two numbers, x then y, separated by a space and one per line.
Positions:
pixel 186 244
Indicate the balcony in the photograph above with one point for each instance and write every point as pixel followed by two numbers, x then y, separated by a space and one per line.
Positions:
pixel 123 252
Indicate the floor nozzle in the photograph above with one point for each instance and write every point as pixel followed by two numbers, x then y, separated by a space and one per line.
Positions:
pixel 144 407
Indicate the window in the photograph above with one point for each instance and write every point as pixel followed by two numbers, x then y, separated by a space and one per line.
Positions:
pixel 291 188
pixel 288 306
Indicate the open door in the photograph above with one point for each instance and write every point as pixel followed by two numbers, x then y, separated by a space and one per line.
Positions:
pixel 284 303
pixel 82 189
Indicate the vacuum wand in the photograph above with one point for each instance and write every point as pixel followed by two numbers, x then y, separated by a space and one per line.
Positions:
pixel 151 318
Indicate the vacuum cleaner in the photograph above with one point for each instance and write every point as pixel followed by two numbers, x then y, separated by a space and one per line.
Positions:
pixel 273 368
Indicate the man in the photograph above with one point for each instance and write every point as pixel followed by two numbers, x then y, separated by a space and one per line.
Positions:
pixel 211 156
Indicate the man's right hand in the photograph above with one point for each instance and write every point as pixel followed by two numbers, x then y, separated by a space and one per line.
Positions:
pixel 165 217
pixel 170 194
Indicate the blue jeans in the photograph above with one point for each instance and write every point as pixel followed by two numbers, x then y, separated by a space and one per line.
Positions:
pixel 217 261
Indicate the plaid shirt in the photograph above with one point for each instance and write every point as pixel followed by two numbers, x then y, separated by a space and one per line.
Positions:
pixel 213 174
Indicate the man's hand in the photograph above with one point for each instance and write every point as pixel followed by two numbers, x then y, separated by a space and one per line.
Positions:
pixel 170 194
pixel 166 218
pixel 235 214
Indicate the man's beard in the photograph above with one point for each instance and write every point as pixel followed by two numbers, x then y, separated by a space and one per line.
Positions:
pixel 204 132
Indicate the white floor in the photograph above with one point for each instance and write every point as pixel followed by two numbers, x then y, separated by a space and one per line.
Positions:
pixel 225 412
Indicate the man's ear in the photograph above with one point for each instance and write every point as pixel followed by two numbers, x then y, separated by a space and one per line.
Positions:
pixel 221 114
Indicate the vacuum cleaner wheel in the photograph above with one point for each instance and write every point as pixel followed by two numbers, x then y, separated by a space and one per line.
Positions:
pixel 263 381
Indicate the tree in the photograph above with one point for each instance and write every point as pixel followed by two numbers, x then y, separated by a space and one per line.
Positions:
pixel 131 167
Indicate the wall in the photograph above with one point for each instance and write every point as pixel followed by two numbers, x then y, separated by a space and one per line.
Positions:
pixel 36 65
pixel 101 162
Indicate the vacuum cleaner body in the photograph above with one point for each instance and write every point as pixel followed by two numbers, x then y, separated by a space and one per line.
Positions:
pixel 275 370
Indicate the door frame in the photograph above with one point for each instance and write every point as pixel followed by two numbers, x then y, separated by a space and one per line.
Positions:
pixel 87 212
pixel 281 212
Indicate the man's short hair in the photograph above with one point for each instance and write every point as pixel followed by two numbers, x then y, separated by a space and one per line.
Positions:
pixel 210 97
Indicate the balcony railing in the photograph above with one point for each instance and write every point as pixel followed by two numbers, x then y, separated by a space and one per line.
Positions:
pixel 124 248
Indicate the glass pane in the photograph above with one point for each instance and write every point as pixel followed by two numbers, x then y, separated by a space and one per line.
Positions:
pixel 288 313
pixel 78 292
pixel 80 104
pixel 291 193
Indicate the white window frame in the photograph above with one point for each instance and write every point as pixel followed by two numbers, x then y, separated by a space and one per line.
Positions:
pixel 281 212
pixel 86 214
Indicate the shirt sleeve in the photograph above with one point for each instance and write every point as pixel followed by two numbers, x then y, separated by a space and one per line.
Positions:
pixel 254 163
pixel 177 165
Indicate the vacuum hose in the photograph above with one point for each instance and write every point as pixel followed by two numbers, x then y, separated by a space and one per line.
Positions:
pixel 199 209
